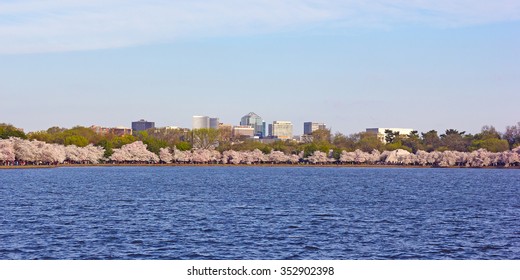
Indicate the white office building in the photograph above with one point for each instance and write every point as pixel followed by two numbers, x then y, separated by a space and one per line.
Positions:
pixel 283 130
pixel 380 132
pixel 200 122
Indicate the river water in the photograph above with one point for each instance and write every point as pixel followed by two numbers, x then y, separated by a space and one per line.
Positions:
pixel 259 213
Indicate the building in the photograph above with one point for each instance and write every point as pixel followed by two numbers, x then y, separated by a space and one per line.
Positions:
pixel 171 128
pixel 243 131
pixel 214 123
pixel 310 127
pixel 380 132
pixel 305 138
pixel 142 125
pixel 119 131
pixel 255 121
pixel 283 130
pixel 200 122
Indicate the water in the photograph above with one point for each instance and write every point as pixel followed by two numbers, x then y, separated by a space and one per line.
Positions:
pixel 259 213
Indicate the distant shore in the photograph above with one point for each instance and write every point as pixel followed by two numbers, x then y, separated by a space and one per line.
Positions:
pixel 244 165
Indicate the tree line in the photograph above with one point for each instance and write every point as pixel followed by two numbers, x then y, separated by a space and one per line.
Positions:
pixel 83 145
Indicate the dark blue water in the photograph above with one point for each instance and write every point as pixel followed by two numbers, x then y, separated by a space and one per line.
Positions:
pixel 259 213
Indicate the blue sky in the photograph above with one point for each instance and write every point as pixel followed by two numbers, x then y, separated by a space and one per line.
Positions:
pixel 419 64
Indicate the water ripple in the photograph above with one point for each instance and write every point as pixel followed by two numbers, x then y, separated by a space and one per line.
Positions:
pixel 259 213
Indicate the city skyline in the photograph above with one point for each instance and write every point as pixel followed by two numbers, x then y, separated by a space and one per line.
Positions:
pixel 427 65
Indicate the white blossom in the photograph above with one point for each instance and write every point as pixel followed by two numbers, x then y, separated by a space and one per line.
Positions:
pixel 134 152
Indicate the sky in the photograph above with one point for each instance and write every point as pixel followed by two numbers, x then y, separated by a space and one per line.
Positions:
pixel 350 64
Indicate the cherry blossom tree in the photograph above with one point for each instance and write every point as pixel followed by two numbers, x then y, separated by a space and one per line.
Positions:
pixel 398 156
pixel 181 156
pixel 318 157
pixel 347 157
pixel 7 154
pixel 26 151
pixel 232 157
pixel 134 152
pixel 201 156
pixel 360 157
pixel 374 156
pixel 294 159
pixel 94 154
pixel 277 157
pixel 511 158
pixel 215 156
pixel 165 155
pixel 434 158
pixel 422 157
pixel 448 158
pixel 253 157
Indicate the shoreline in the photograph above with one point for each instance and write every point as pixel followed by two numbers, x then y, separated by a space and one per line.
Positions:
pixel 247 165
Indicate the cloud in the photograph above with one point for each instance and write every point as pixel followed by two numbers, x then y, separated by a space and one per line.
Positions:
pixel 29 26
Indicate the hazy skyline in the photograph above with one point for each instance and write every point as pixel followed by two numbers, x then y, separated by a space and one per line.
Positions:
pixel 352 65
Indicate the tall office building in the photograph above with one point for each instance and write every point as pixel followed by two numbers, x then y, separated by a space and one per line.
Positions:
pixel 310 127
pixel 142 125
pixel 255 121
pixel 200 122
pixel 283 130
pixel 214 123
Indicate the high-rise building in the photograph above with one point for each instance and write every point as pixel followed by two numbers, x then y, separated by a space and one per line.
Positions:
pixel 200 122
pixel 255 121
pixel 142 125
pixel 214 123
pixel 283 130
pixel 310 127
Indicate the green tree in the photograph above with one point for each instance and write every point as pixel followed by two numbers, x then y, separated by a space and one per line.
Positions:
pixel 454 140
pixel 41 136
pixel 153 145
pixel 487 132
pixel 369 142
pixel 396 145
pixel 108 146
pixel 76 140
pixel 120 141
pixel 309 149
pixel 171 136
pixel 391 136
pixel 184 146
pixel 491 144
pixel 321 136
pixel 413 142
pixel 287 146
pixel 251 145
pixel 7 130
pixel 512 135
pixel 489 139
pixel 205 138
pixel 343 142
pixel 431 140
